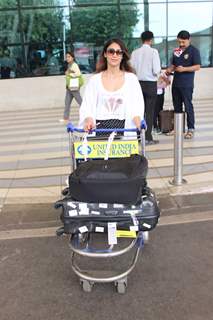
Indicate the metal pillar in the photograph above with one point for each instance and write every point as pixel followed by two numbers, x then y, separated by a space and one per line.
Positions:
pixel 146 15
pixel 64 40
pixel 178 150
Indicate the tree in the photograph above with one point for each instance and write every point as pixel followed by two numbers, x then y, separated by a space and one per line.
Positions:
pixel 96 24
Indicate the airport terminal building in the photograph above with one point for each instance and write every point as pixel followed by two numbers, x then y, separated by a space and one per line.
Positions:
pixel 35 34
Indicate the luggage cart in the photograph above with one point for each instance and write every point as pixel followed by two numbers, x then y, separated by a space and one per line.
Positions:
pixel 80 242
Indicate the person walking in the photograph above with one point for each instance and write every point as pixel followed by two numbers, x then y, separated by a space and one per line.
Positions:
pixel 73 84
pixel 185 61
pixel 146 62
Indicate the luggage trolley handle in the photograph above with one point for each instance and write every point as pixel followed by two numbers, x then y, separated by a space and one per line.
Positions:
pixel 71 129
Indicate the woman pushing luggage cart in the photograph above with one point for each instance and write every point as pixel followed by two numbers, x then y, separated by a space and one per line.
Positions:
pixel 108 195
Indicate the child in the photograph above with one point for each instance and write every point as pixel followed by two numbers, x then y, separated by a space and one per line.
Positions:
pixel 163 82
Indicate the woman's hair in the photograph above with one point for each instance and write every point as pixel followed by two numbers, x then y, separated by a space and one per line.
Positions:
pixel 71 54
pixel 125 65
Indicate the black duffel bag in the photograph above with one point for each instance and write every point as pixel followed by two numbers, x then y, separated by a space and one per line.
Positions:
pixel 109 181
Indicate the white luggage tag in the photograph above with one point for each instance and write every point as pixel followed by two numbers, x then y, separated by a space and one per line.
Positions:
pixel 109 143
pixel 85 146
pixel 112 228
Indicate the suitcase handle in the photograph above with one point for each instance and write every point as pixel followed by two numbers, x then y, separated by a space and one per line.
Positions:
pixel 72 128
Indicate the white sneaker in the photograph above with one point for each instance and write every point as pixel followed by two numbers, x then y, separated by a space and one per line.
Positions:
pixel 65 121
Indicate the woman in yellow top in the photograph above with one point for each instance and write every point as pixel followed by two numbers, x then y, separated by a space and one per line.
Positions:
pixel 72 84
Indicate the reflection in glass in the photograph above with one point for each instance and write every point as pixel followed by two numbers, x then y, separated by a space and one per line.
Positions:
pixel 34 39
pixel 204 45
pixel 194 18
pixel 139 27
pixel 8 4
pixel 160 44
pixel 11 65
pixel 102 23
pixel 44 3
pixel 9 23
pixel 157 19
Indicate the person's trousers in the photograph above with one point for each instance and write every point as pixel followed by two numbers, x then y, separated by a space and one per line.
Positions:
pixel 182 96
pixel 149 90
pixel 158 107
pixel 68 100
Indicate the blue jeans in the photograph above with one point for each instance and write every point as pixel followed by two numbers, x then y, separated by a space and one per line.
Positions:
pixel 180 96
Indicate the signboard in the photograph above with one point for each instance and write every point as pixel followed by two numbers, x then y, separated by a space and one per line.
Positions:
pixel 97 149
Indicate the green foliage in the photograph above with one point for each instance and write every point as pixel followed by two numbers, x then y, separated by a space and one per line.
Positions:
pixel 38 25
pixel 97 24
pixel 46 25
pixel 8 3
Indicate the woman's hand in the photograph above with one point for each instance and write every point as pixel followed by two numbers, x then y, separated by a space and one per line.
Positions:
pixel 137 122
pixel 89 124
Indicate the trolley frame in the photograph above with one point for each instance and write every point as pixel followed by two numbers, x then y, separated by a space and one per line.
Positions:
pixel 87 279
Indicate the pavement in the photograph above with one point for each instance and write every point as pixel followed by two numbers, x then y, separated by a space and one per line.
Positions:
pixel 173 277
pixel 35 161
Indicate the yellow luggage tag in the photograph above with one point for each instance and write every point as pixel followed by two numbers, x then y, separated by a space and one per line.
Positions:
pixel 125 234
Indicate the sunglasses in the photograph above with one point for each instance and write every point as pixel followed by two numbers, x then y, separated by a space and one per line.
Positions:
pixel 112 51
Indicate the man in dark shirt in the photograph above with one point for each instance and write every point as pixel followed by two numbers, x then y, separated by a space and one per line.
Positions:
pixel 185 61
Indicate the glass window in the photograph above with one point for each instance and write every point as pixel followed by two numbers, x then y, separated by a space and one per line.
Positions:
pixel 42 25
pixel 8 4
pixel 161 45
pixel 203 43
pixel 95 2
pixel 133 44
pixel 139 27
pixel 193 17
pixel 153 18
pixel 157 19
pixel 9 27
pixel 44 3
pixel 51 27
pixel 102 23
pixel 11 62
pixel 44 40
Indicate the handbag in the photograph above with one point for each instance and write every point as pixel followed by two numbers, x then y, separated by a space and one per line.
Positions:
pixel 73 84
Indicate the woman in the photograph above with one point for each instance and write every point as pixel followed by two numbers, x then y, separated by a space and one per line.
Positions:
pixel 113 97
pixel 72 85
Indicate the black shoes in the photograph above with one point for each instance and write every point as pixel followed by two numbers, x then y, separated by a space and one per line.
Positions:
pixel 151 142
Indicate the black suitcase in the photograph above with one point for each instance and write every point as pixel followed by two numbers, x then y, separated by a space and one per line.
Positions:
pixel 93 217
pixel 109 181
pixel 166 120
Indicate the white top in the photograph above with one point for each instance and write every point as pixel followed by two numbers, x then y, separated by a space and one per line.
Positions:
pixel 73 69
pixel 146 62
pixel 125 103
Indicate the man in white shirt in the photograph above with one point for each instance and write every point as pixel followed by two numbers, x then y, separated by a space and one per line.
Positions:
pixel 146 62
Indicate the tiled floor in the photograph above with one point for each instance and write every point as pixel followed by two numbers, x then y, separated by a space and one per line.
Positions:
pixel 34 158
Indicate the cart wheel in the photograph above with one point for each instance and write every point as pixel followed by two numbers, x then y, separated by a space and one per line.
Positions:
pixel 121 286
pixel 86 285
pixel 146 236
